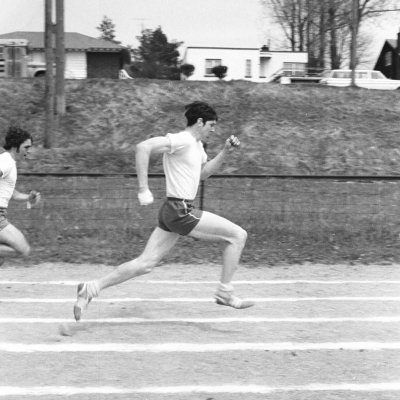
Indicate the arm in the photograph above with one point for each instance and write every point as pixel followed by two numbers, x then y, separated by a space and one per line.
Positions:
pixel 144 150
pixel 33 196
pixel 213 165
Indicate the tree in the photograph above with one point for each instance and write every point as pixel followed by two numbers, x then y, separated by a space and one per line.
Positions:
pixel 220 71
pixel 156 58
pixel 187 70
pixel 317 26
pixel 107 29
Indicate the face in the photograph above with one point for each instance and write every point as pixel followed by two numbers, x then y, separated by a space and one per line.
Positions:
pixel 207 129
pixel 24 149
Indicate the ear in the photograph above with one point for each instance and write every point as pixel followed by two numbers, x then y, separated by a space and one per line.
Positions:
pixel 200 121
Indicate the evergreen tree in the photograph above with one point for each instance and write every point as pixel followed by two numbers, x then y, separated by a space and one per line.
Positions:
pixel 155 57
pixel 107 29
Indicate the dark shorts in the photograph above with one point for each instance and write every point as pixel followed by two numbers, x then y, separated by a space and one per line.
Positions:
pixel 178 215
pixel 3 218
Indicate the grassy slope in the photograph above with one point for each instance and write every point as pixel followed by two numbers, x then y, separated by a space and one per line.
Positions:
pixel 284 129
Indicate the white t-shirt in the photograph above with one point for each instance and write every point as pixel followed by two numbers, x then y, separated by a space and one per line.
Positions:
pixel 182 165
pixel 8 179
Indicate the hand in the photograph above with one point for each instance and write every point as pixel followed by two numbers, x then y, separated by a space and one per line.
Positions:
pixel 33 197
pixel 145 197
pixel 232 141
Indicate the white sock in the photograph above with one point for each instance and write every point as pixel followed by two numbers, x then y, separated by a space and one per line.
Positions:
pixel 93 288
pixel 225 287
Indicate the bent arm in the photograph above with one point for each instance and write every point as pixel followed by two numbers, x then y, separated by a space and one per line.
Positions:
pixel 19 196
pixel 144 150
pixel 210 167
pixel 213 165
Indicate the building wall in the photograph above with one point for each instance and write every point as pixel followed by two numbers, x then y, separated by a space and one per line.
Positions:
pixel 75 65
pixel 234 59
pixel 273 62
pixel 263 64
pixel 388 62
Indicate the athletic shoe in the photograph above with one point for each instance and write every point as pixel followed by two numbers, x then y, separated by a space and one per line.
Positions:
pixel 82 300
pixel 233 301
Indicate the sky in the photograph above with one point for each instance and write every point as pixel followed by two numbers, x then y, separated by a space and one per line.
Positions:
pixel 211 23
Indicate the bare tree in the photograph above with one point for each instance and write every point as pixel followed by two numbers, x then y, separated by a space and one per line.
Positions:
pixel 318 25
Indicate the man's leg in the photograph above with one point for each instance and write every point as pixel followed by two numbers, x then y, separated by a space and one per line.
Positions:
pixel 12 241
pixel 214 227
pixel 158 245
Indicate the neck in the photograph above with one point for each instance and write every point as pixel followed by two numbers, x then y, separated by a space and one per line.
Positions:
pixel 13 153
pixel 194 131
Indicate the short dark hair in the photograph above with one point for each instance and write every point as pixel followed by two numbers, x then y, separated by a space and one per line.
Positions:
pixel 199 109
pixel 15 136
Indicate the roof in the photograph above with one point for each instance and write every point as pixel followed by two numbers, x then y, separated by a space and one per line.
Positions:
pixel 73 41
pixel 393 43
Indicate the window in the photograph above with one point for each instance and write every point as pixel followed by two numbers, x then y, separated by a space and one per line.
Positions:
pixel 388 58
pixel 248 69
pixel 210 64
pixel 377 75
pixel 294 69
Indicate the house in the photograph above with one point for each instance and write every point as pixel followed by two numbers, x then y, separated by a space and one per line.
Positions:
pixel 252 64
pixel 85 56
pixel 389 58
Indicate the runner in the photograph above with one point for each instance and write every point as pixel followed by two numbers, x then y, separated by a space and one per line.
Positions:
pixel 185 164
pixel 17 146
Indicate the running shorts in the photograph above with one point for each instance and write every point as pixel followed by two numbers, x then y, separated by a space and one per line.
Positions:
pixel 178 215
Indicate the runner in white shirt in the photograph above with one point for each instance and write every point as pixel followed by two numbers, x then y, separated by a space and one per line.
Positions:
pixel 185 164
pixel 17 145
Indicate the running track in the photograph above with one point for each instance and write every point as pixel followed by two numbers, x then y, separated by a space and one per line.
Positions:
pixel 329 332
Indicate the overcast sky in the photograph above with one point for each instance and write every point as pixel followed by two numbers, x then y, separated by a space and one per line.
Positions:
pixel 229 23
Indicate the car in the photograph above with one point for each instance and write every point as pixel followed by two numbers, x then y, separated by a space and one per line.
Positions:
pixel 364 78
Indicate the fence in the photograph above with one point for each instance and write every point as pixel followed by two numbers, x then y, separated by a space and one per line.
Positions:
pixel 96 217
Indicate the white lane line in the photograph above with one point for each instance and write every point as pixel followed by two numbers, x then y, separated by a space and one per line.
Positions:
pixel 201 300
pixel 11 347
pixel 383 319
pixel 226 388
pixel 241 282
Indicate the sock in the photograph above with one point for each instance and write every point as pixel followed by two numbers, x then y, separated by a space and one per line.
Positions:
pixel 93 288
pixel 225 287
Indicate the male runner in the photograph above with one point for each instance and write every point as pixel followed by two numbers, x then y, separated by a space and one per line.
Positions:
pixel 185 164
pixel 17 146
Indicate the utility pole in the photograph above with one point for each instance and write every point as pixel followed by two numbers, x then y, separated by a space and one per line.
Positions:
pixel 354 33
pixel 49 86
pixel 60 59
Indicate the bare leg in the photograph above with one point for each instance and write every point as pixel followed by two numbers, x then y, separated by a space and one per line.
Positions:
pixel 13 242
pixel 158 245
pixel 214 227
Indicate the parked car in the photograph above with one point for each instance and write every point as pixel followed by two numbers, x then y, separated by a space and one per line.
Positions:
pixel 368 79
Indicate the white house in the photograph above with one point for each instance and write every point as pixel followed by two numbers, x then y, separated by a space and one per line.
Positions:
pixel 85 56
pixel 253 64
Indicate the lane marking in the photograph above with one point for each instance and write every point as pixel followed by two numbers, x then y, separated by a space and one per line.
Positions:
pixel 11 347
pixel 201 300
pixel 240 282
pixel 383 319
pixel 227 388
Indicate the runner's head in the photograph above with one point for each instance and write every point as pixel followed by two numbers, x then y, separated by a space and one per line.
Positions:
pixel 199 109
pixel 15 136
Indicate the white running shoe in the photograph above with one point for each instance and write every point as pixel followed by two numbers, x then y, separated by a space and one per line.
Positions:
pixel 82 300
pixel 233 301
